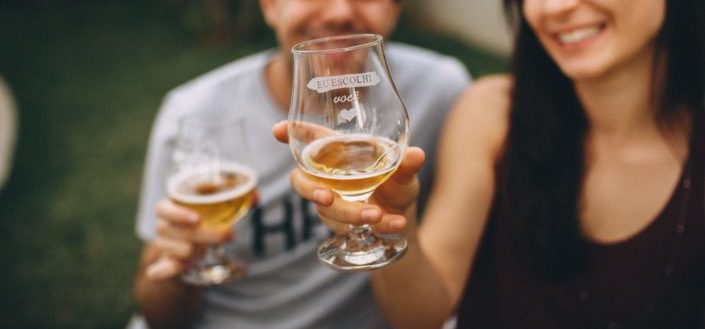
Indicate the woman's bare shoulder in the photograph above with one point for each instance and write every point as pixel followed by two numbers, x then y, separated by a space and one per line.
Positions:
pixel 490 92
pixel 483 111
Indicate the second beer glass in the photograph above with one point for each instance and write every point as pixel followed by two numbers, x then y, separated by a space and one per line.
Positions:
pixel 348 129
pixel 210 175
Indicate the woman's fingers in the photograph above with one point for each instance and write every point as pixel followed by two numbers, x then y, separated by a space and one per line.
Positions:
pixel 410 166
pixel 303 131
pixel 402 189
pixel 309 190
pixel 280 131
pixel 336 226
pixel 383 213
pixel 355 213
pixel 391 223
pixel 331 206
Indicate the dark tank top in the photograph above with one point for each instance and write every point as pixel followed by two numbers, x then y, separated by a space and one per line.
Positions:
pixel 655 279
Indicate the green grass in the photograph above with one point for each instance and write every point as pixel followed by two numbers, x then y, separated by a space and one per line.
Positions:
pixel 88 80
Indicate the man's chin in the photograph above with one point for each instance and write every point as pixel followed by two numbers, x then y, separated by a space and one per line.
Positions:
pixel 329 33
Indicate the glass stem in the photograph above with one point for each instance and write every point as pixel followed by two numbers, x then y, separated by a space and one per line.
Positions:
pixel 214 253
pixel 360 235
pixel 359 238
pixel 363 229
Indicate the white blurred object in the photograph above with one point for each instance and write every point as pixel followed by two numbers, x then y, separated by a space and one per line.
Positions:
pixel 7 131
pixel 480 22
pixel 137 322
pixel 451 323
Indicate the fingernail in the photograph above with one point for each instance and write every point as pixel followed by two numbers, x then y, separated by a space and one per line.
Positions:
pixel 370 215
pixel 158 270
pixel 193 218
pixel 319 195
pixel 397 224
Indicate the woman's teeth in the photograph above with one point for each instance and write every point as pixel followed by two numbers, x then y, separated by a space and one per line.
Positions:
pixel 578 34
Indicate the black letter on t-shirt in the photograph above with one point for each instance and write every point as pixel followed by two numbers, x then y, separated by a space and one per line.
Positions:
pixel 261 230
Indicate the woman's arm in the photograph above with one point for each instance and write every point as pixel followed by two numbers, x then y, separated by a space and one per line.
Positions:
pixel 422 289
pixel 428 282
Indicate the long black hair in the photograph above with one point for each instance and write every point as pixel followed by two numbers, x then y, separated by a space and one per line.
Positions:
pixel 541 172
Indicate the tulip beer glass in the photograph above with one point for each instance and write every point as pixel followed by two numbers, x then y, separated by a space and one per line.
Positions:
pixel 211 176
pixel 348 129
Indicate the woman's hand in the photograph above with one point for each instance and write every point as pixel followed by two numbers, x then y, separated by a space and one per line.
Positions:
pixel 389 209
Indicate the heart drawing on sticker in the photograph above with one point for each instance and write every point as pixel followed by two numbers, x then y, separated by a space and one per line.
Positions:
pixel 346 115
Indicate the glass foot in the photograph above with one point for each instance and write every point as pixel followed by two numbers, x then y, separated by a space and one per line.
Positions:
pixel 214 269
pixel 364 252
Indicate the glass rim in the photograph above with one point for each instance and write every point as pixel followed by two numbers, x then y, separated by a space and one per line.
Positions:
pixel 372 39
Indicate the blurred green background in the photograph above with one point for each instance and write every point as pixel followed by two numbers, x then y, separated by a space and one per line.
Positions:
pixel 88 78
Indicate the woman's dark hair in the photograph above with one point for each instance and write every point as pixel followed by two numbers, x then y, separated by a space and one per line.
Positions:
pixel 541 172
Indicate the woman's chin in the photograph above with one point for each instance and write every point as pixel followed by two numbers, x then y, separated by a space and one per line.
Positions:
pixel 583 72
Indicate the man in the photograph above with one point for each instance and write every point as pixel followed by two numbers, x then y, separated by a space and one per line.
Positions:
pixel 286 287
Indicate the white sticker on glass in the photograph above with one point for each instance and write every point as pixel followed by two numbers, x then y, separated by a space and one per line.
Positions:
pixel 325 84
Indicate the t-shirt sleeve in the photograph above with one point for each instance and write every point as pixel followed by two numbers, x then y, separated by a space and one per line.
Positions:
pixel 457 78
pixel 156 167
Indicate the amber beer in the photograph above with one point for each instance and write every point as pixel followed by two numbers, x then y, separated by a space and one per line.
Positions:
pixel 351 165
pixel 219 199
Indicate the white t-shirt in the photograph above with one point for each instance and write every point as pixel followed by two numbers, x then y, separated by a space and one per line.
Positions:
pixel 286 286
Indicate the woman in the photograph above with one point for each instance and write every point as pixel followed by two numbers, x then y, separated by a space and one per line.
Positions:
pixel 568 195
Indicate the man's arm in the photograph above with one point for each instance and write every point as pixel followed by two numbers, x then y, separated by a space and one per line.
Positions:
pixel 164 300
pixel 168 303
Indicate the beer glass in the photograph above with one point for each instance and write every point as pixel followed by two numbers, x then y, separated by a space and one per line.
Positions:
pixel 210 175
pixel 348 130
